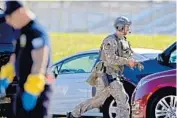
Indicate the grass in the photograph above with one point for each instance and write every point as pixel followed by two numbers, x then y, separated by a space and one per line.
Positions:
pixel 65 44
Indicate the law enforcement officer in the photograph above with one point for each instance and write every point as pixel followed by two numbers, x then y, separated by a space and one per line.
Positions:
pixel 115 53
pixel 29 63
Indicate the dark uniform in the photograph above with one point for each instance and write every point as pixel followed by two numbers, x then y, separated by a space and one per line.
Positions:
pixel 32 37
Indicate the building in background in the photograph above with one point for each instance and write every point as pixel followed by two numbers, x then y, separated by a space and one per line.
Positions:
pixel 148 17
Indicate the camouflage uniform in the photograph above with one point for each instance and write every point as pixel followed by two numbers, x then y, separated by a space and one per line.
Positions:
pixel 115 53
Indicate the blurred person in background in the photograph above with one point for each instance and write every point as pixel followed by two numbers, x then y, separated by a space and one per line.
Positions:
pixel 29 64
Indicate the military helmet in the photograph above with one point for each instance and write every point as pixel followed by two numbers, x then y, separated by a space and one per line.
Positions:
pixel 120 22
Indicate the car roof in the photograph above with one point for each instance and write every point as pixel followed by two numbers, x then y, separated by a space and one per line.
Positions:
pixel 145 50
pixel 137 50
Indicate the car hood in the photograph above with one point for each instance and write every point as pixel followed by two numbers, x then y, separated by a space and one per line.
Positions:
pixel 144 52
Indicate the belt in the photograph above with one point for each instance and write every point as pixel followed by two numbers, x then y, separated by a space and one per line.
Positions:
pixel 110 81
pixel 110 78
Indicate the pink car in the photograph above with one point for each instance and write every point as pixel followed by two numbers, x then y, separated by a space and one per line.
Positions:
pixel 155 96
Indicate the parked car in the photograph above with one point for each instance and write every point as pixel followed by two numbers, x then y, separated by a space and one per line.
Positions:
pixel 158 64
pixel 155 95
pixel 71 73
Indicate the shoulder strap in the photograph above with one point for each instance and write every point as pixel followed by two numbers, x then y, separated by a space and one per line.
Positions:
pixel 101 48
pixel 119 45
pixel 130 47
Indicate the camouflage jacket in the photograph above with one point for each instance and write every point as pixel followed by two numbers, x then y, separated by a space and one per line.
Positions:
pixel 115 53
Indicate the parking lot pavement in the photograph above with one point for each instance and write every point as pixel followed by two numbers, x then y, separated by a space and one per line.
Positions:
pixel 81 117
pixel 86 115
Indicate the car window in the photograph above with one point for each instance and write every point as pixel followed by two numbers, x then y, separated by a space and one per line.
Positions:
pixel 79 64
pixel 173 57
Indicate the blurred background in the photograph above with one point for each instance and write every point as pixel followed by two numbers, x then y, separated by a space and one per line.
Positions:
pixel 148 17
pixel 84 24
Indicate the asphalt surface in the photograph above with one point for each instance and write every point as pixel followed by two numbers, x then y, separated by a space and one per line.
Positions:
pixel 62 116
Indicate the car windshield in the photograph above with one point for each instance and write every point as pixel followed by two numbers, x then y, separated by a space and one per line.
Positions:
pixel 150 55
pixel 139 57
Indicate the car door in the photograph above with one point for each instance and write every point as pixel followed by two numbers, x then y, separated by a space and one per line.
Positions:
pixel 70 87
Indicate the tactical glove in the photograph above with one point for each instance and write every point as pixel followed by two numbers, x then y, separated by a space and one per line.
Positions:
pixel 33 88
pixel 7 75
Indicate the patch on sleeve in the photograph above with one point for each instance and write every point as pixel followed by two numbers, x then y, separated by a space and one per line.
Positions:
pixel 23 40
pixel 107 46
pixel 38 42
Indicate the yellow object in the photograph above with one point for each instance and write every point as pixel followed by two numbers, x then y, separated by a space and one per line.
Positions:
pixel 35 84
pixel 7 71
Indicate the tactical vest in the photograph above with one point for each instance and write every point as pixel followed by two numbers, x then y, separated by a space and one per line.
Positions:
pixel 120 51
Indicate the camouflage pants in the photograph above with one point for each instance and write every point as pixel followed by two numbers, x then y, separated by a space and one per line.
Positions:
pixel 115 89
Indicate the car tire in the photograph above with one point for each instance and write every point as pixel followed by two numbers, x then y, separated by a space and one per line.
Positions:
pixel 105 109
pixel 108 105
pixel 154 103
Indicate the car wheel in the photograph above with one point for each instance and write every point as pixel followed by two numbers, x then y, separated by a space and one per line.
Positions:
pixel 109 108
pixel 163 105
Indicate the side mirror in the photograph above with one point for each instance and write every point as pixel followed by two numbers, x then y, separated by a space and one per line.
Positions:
pixel 160 58
pixel 55 71
pixel 163 59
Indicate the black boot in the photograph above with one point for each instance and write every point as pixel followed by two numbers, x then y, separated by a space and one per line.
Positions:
pixel 69 115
